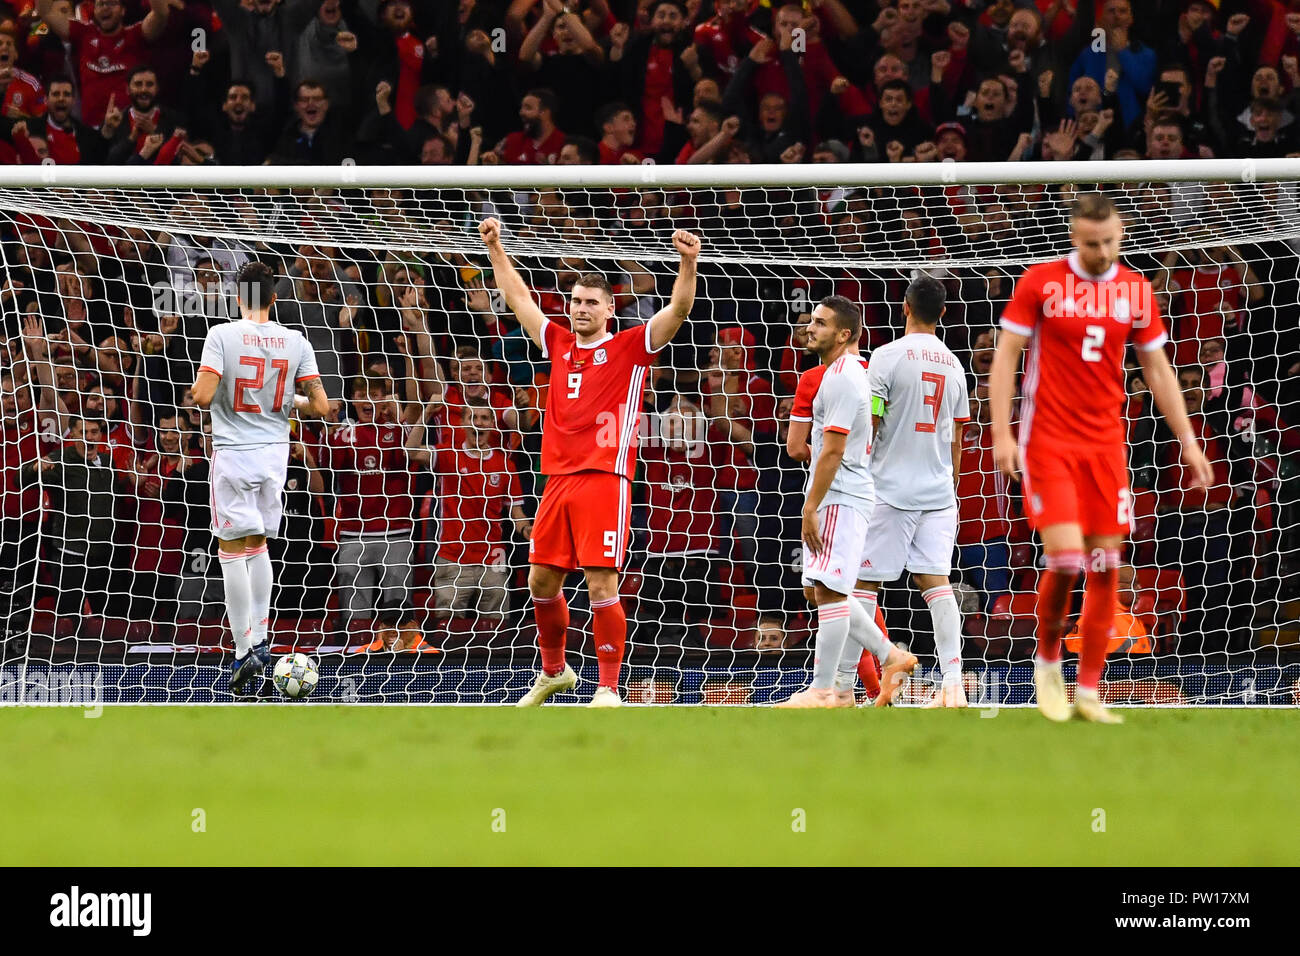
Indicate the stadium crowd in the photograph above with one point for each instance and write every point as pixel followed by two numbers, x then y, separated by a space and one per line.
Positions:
pixel 409 507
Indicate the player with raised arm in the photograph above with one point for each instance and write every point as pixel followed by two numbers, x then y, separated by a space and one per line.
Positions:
pixel 589 441
pixel 1076 315
pixel 919 407
pixel 837 508
pixel 247 378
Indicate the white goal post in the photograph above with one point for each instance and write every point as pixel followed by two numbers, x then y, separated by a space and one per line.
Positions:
pixel 112 275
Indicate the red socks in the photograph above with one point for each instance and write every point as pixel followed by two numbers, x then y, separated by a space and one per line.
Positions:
pixel 609 626
pixel 1098 618
pixel 1054 589
pixel 552 616
pixel 868 666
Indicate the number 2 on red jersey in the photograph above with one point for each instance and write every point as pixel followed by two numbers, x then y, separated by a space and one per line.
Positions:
pixel 258 365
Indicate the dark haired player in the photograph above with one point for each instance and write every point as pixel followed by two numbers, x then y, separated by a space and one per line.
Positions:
pixel 247 378
pixel 589 440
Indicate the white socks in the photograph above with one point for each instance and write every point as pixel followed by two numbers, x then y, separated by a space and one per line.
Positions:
pixel 862 626
pixel 832 634
pixel 259 580
pixel 239 599
pixel 947 631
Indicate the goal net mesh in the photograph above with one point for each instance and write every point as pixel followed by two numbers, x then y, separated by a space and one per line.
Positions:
pixel 108 569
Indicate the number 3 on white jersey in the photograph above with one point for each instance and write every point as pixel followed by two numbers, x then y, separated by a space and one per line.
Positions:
pixel 575 383
pixel 1091 342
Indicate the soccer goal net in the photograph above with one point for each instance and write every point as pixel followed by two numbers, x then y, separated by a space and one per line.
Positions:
pixel 401 561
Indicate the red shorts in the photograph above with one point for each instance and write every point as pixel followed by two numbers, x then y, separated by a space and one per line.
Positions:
pixel 584 521
pixel 1087 488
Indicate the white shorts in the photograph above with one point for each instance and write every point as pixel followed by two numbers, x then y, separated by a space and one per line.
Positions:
pixel 918 541
pixel 247 488
pixel 844 535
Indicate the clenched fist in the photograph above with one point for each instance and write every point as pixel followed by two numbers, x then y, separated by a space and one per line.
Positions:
pixel 686 243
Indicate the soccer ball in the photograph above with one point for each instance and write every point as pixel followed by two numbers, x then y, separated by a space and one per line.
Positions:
pixel 295 675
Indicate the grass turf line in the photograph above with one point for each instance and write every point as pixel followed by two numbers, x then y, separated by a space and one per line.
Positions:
pixel 338 785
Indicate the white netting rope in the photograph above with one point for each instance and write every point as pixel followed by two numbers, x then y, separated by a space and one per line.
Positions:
pixel 123 283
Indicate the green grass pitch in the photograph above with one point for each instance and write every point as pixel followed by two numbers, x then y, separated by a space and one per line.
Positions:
pixel 435 785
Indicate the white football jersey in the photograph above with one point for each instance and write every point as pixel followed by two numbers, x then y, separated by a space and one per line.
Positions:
pixel 259 364
pixel 923 387
pixel 843 404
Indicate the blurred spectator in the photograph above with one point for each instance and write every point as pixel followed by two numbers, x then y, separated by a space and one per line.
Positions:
pixel 1134 62
pixel 105 51
pixel 983 555
pixel 160 532
pixel 303 569
pixel 654 74
pixel 324 52
pixel 1192 532
pixel 241 128
pixel 779 553
pixel 539 141
pixel 82 488
pixel 371 461
pixel 263 39
pixel 316 136
pixel 22 96
pixel 21 510
pixel 563 56
pixel 682 468
pixel 480 498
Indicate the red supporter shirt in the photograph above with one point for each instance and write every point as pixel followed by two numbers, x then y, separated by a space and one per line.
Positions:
pixel 682 498
pixel 1210 301
pixel 726 38
pixel 103 63
pixel 756 397
pixel 984 506
pixel 594 405
pixel 1175 483
pixel 609 156
pixel 1073 389
pixel 520 150
pixel 658 84
pixel 18 446
pixel 24 94
pixel 476 492
pixel 453 407
pixel 62 144
pixel 372 478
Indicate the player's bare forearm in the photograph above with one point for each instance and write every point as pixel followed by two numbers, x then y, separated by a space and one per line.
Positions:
pixel 511 283
pixel 315 403
pixel 665 323
pixel 796 441
pixel 205 388
pixel 1160 379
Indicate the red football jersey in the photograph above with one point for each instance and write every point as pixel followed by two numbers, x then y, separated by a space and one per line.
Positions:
pixel 372 477
pixel 103 63
pixel 809 382
pixel 24 94
pixel 983 499
pixel 1078 326
pixel 683 499
pixel 520 150
pixel 476 493
pixel 594 406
